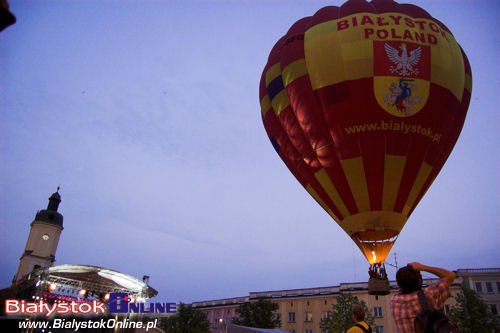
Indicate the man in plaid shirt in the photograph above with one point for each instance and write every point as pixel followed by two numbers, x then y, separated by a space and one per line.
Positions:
pixel 405 305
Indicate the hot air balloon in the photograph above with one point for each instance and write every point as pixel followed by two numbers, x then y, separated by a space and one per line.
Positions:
pixel 364 103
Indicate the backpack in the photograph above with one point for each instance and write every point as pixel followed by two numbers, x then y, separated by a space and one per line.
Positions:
pixel 369 330
pixel 429 320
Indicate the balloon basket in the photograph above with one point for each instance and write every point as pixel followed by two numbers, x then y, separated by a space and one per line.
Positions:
pixel 378 284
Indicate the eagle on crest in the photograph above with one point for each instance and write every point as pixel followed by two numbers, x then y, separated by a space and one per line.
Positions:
pixel 403 64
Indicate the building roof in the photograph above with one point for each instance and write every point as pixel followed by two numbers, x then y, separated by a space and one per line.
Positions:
pixel 98 279
pixel 51 215
pixel 352 287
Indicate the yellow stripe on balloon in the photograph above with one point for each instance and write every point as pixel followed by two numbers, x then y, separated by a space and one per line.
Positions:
pixel 423 174
pixel 359 50
pixel 265 105
pixel 334 56
pixel 355 174
pixel 316 197
pixel 293 71
pixel 447 67
pixel 273 72
pixel 280 102
pixel 393 173
pixel 324 60
pixel 468 83
pixel 329 188
pixel 358 59
pixel 321 29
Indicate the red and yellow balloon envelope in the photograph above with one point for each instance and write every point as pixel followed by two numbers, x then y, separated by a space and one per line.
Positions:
pixel 364 103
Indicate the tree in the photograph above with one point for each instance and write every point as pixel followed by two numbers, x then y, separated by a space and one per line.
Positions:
pixel 260 314
pixel 340 320
pixel 186 320
pixel 471 314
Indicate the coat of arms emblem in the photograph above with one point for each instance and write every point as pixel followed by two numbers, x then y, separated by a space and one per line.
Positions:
pixel 401 77
pixel 400 96
pixel 404 64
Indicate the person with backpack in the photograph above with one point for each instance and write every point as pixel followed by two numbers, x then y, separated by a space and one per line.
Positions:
pixel 414 302
pixel 358 315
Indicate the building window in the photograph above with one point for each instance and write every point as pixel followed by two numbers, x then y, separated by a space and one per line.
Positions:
pixel 379 329
pixel 292 331
pixel 489 287
pixel 276 316
pixel 498 287
pixel 309 331
pixel 446 309
pixel 493 308
pixel 291 317
pixel 308 316
pixel 377 312
pixel 479 287
pixel 325 314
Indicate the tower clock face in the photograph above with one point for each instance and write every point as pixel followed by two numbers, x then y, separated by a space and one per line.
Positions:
pixel 45 237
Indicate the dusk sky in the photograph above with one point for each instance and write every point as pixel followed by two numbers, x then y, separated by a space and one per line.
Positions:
pixel 147 114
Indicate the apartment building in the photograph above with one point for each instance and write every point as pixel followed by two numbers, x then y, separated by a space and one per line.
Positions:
pixel 301 310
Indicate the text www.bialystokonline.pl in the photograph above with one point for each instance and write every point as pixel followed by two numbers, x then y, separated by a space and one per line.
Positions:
pixel 75 325
pixel 399 126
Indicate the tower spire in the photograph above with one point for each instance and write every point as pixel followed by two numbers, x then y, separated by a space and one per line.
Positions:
pixel 54 200
pixel 40 250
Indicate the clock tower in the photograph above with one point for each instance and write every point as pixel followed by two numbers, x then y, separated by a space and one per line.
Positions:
pixel 40 250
